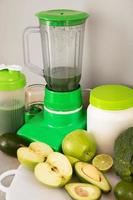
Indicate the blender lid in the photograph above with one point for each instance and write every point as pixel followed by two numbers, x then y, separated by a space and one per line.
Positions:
pixel 62 17
pixel 11 80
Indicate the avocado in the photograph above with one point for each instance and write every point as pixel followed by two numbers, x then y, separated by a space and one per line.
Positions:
pixel 124 190
pixel 83 191
pixel 88 173
pixel 10 142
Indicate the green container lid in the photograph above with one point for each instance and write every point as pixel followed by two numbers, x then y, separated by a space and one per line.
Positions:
pixel 112 97
pixel 11 80
pixel 62 17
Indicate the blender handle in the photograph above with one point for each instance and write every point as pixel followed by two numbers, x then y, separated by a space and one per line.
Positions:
pixel 26 50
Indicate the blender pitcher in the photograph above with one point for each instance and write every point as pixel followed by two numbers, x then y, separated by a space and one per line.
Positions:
pixel 62 33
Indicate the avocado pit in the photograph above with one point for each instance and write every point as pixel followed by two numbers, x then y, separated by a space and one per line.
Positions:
pixel 81 192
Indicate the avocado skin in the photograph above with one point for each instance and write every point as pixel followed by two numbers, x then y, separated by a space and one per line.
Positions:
pixel 83 180
pixel 79 199
pixel 10 142
pixel 123 155
pixel 124 191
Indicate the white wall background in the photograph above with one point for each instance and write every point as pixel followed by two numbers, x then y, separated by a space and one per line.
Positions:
pixel 108 51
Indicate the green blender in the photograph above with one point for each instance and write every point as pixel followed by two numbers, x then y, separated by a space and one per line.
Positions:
pixel 62 33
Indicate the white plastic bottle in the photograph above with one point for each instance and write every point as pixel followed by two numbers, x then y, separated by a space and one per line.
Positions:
pixel 110 112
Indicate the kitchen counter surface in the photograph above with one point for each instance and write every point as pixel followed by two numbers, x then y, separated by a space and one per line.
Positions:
pixel 7 163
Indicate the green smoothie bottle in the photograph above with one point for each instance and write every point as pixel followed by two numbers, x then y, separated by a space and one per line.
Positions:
pixel 12 99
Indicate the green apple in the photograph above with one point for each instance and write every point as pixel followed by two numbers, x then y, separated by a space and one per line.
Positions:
pixel 30 156
pixel 55 172
pixel 72 160
pixel 79 144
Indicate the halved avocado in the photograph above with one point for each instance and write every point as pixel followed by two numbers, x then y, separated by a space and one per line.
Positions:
pixel 83 191
pixel 88 173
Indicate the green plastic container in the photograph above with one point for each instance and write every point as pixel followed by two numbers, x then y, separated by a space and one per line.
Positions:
pixel 12 100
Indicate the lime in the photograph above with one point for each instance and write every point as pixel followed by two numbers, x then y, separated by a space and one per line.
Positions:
pixel 124 190
pixel 103 162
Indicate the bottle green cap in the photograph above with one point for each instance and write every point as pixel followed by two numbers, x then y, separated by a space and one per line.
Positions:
pixel 62 17
pixel 11 80
pixel 112 97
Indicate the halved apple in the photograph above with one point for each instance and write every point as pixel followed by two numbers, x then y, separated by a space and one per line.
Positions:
pixel 30 156
pixel 55 172
pixel 41 149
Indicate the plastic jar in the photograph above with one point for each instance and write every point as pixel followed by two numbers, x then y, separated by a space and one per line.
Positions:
pixel 109 113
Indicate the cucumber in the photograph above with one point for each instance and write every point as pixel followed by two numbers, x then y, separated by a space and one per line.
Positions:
pixel 10 142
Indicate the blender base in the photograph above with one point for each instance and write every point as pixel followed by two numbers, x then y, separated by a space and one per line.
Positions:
pixel 38 129
pixel 62 114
